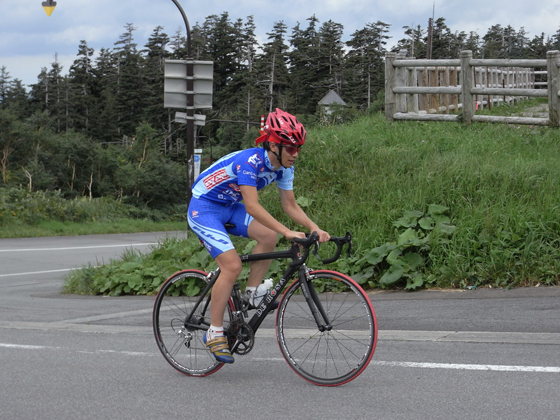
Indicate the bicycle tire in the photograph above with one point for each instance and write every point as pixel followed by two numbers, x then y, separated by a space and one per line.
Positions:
pixel 334 357
pixel 183 347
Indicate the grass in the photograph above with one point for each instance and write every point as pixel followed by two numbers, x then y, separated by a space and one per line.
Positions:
pixel 499 183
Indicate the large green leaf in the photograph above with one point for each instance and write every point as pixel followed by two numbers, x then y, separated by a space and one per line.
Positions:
pixel 304 201
pixel 364 276
pixel 376 255
pixel 436 209
pixel 394 256
pixel 426 223
pixel 414 260
pixel 414 282
pixel 409 219
pixel 393 274
pixel 409 235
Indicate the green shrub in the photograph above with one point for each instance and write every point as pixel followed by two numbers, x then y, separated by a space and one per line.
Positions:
pixel 498 183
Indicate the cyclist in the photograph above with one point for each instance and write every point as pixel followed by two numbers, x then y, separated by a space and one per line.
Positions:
pixel 216 200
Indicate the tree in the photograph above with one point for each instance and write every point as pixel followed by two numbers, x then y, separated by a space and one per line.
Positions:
pixel 414 43
pixel 272 69
pixel 129 98
pixel 4 87
pixel 81 88
pixel 503 42
pixel 224 46
pixel 8 143
pixel 155 54
pixel 364 73
pixel 316 63
pixel 105 118
pixel 538 47
pixel 555 41
pixel 331 58
pixel 303 66
pixel 249 79
pixel 446 44
pixel 472 43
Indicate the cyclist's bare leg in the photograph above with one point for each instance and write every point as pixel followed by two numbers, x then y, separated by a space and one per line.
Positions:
pixel 266 242
pixel 230 269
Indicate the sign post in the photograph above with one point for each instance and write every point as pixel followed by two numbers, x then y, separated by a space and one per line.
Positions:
pixel 189 107
pixel 188 85
pixel 197 158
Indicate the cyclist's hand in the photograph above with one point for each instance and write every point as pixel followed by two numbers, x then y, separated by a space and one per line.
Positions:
pixel 323 236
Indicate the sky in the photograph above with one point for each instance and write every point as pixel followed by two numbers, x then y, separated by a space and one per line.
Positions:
pixel 30 40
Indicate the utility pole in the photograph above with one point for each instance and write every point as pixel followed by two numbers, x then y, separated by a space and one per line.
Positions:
pixel 429 40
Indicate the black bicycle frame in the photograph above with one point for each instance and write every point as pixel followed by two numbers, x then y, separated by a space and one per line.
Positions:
pixel 297 265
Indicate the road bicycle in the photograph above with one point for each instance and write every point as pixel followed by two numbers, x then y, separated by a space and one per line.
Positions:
pixel 325 323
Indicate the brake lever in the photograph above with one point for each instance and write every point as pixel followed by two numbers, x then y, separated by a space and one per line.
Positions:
pixel 316 250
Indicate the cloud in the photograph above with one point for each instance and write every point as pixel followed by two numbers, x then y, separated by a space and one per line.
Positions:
pixel 26 31
pixel 28 67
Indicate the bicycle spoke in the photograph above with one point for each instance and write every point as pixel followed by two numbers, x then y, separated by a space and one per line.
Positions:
pixel 335 356
pixel 180 340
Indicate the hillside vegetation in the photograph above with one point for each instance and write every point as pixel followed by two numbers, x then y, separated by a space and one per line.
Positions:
pixel 428 204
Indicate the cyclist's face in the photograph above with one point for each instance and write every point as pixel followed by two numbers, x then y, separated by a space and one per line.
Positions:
pixel 289 155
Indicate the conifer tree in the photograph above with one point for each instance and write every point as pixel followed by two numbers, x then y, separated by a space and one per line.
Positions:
pixel 364 74
pixel 81 89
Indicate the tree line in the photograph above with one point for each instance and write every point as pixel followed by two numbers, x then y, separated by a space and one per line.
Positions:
pixel 101 129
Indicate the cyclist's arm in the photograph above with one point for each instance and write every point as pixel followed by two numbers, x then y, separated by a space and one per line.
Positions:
pixel 295 212
pixel 255 209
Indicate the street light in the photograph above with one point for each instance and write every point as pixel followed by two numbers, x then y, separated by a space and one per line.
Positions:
pixel 190 106
pixel 49 6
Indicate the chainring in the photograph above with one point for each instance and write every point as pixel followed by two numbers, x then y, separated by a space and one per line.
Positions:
pixel 241 333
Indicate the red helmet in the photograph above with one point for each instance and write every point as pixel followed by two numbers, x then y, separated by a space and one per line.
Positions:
pixel 282 128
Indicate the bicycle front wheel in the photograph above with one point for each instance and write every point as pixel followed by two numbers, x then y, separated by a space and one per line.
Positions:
pixel 180 339
pixel 332 357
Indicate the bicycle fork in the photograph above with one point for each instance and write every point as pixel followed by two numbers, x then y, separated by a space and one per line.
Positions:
pixel 313 300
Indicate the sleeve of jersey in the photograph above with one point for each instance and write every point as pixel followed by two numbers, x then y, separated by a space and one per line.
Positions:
pixel 286 182
pixel 246 173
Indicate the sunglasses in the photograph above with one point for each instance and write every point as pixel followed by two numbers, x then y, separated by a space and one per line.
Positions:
pixel 292 150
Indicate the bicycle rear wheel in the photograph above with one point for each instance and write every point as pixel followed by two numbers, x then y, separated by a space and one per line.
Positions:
pixel 179 339
pixel 334 357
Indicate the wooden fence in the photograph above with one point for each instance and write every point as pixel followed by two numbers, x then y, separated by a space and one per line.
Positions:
pixel 430 89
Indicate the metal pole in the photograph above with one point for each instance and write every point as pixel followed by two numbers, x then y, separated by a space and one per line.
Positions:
pixel 190 106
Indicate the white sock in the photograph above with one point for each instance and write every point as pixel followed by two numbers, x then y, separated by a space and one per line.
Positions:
pixel 214 332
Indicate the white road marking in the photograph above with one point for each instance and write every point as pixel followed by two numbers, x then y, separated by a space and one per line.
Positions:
pixel 37 272
pixel 449 366
pixel 498 368
pixel 24 346
pixel 77 247
pixel 126 353
pixel 30 347
pixel 65 249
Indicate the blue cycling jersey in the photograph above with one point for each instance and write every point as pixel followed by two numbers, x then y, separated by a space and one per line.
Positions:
pixel 220 182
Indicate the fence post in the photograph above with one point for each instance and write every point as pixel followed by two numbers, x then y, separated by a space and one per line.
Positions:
pixel 390 80
pixel 466 86
pixel 553 60
pixel 400 80
pixel 412 100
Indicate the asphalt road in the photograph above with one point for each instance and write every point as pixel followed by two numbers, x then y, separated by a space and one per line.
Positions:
pixel 480 354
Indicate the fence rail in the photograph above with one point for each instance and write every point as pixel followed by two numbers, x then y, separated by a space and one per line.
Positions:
pixel 429 90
